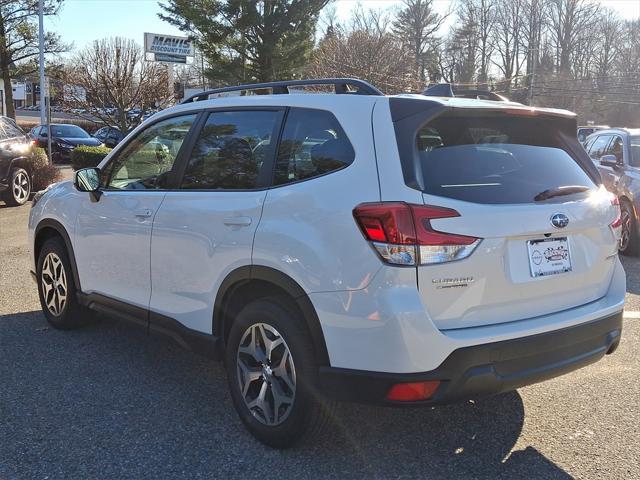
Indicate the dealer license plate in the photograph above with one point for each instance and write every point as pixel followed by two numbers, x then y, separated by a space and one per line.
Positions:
pixel 549 256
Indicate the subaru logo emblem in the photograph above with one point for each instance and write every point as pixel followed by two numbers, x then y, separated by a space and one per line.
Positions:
pixel 559 220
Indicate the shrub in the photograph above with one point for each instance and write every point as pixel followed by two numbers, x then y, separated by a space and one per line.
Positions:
pixel 42 172
pixel 84 157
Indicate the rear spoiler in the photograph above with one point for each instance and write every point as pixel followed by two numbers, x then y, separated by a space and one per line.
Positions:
pixel 449 90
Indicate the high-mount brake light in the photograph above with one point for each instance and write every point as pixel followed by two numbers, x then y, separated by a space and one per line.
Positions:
pixel 401 233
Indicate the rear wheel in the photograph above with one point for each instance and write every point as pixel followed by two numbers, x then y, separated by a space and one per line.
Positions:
pixel 57 288
pixel 629 232
pixel 272 373
pixel 19 188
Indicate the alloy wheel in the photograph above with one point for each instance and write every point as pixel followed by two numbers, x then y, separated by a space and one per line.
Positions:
pixel 54 284
pixel 625 233
pixel 266 374
pixel 20 187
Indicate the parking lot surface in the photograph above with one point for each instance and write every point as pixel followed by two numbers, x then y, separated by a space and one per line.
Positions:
pixel 107 401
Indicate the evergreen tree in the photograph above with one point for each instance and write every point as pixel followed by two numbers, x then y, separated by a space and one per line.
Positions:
pixel 248 40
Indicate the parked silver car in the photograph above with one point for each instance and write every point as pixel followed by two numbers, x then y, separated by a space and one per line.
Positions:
pixel 616 153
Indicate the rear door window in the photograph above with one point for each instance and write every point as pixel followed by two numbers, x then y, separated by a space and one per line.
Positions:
pixel 494 160
pixel 231 150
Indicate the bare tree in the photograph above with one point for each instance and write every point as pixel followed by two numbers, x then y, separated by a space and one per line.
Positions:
pixel 367 50
pixel 111 78
pixel 568 19
pixel 610 34
pixel 507 38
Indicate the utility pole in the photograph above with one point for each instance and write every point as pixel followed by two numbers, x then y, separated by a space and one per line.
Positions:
pixel 43 112
pixel 533 76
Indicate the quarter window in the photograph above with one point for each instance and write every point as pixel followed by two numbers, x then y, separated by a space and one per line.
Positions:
pixel 313 143
pixel 232 150
pixel 146 162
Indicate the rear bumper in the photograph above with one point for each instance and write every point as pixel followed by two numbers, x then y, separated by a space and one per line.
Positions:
pixel 486 369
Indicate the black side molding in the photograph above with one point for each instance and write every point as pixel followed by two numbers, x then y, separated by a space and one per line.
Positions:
pixel 204 344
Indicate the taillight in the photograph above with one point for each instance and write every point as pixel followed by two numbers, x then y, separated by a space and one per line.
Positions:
pixel 616 225
pixel 401 233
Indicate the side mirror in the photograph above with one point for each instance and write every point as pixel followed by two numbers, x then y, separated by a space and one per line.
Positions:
pixel 88 180
pixel 609 161
pixel 44 134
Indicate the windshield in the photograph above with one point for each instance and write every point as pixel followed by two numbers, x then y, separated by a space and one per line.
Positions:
pixel 69 131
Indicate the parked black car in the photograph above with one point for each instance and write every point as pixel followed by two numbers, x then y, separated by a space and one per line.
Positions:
pixel 64 138
pixel 15 177
pixel 110 136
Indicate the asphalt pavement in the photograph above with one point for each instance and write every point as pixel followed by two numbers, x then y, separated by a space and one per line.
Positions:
pixel 109 402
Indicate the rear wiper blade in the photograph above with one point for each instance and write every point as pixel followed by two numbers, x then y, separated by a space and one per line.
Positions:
pixel 559 192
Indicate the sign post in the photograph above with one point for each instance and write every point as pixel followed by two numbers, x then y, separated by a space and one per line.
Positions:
pixel 168 49
pixel 41 40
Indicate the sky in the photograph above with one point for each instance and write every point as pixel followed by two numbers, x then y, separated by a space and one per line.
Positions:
pixel 82 21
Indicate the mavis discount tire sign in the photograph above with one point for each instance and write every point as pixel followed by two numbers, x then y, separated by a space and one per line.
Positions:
pixel 167 48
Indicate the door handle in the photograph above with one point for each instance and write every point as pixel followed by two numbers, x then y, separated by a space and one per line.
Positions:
pixel 238 221
pixel 144 213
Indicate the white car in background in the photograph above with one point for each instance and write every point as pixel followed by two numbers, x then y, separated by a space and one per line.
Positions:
pixel 398 250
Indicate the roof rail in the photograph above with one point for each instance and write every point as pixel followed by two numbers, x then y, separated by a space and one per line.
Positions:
pixel 449 90
pixel 341 86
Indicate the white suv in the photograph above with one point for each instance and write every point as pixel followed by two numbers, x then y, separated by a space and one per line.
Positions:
pixel 388 249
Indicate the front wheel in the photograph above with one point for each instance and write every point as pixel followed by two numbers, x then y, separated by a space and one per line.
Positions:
pixel 19 188
pixel 629 244
pixel 57 288
pixel 271 371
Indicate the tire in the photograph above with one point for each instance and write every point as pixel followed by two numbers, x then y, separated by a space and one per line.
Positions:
pixel 19 189
pixel 272 373
pixel 629 244
pixel 57 289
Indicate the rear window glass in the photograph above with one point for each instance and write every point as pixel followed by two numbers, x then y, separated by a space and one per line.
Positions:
pixel 495 160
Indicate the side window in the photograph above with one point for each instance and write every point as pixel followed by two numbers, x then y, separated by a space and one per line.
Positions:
pixel 599 146
pixel 313 143
pixel 144 164
pixel 231 150
pixel 615 148
pixel 587 145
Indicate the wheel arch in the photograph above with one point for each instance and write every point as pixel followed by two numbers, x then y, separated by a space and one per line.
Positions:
pixel 252 282
pixel 49 228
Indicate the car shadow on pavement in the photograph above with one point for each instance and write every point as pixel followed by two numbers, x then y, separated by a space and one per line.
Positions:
pixel 107 401
pixel 632 267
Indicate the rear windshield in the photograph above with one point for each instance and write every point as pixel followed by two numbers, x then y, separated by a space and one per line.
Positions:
pixel 494 159
pixel 69 131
